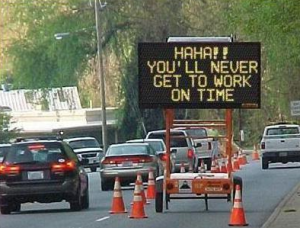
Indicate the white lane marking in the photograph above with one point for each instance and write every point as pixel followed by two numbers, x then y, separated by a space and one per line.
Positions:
pixel 101 219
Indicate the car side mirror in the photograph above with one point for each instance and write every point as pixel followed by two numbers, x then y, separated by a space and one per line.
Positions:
pixel 198 144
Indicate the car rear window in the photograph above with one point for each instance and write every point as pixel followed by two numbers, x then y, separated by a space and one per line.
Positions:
pixel 177 138
pixel 196 132
pixel 84 143
pixel 35 152
pixel 283 131
pixel 128 150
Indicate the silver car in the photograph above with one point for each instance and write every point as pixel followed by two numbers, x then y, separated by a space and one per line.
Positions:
pixel 185 151
pixel 125 161
pixel 160 148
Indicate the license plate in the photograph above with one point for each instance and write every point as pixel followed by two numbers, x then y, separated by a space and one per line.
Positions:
pixel 283 154
pixel 213 189
pixel 35 175
pixel 127 164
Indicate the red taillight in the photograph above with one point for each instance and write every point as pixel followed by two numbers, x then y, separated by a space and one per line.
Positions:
pixel 9 169
pixel 263 145
pixel 190 154
pixel 209 145
pixel 163 157
pixel 62 167
pixel 122 159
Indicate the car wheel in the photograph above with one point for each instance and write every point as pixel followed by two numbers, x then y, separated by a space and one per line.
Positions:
pixel 5 210
pixel 265 163
pixel 16 207
pixel 105 185
pixel 159 202
pixel 76 205
pixel 86 200
pixel 93 169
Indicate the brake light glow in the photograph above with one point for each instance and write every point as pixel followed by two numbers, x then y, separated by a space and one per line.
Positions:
pixel 121 159
pixel 163 157
pixel 190 153
pixel 9 169
pixel 36 147
pixel 62 167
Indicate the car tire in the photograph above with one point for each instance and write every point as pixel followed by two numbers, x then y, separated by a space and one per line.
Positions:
pixel 76 205
pixel 105 185
pixel 86 200
pixel 159 202
pixel 16 207
pixel 264 163
pixel 5 210
pixel 93 169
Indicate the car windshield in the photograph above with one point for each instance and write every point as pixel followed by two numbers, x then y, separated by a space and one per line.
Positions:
pixel 128 150
pixel 35 153
pixel 283 131
pixel 84 143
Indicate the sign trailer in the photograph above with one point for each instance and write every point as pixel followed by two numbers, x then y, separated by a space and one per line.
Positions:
pixel 198 73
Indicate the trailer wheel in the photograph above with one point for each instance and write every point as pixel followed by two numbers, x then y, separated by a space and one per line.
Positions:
pixel 237 181
pixel 159 202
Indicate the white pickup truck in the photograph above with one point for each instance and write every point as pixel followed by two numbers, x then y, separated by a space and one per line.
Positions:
pixel 280 143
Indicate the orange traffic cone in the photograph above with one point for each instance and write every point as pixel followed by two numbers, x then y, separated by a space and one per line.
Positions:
pixel 255 155
pixel 235 164
pixel 201 168
pixel 151 185
pixel 223 166
pixel 241 158
pixel 182 168
pixel 237 217
pixel 245 159
pixel 140 180
pixel 213 168
pixel 117 203
pixel 217 166
pixel 137 211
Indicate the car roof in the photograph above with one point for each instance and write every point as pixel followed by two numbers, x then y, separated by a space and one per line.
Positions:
pixel 78 139
pixel 281 126
pixel 37 141
pixel 163 131
pixel 129 144
pixel 145 140
pixel 5 145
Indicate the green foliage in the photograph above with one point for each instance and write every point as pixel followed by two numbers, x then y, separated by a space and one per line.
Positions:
pixel 5 133
pixel 41 61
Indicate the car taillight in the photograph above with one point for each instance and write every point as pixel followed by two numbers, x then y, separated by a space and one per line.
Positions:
pixel 107 161
pixel 163 157
pixel 145 160
pixel 9 169
pixel 190 153
pixel 62 167
pixel 209 145
pixel 263 145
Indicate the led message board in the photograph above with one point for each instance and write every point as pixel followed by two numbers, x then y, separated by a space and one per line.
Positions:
pixel 199 75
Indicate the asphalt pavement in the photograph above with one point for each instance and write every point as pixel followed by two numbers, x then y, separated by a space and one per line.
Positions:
pixel 287 213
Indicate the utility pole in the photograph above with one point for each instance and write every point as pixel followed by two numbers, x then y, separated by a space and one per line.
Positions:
pixel 98 7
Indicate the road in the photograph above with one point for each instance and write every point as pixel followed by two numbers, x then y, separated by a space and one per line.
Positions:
pixel 263 190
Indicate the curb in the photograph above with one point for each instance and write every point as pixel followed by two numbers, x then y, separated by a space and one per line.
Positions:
pixel 277 210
